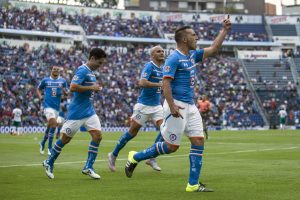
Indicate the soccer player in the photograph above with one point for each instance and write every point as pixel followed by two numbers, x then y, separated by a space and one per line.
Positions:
pixel 282 117
pixel 204 107
pixel 180 113
pixel 147 107
pixel 54 87
pixel 17 119
pixel 81 112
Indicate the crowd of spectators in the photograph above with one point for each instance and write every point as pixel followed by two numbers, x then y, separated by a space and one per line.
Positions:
pixel 22 68
pixel 34 19
pixel 233 105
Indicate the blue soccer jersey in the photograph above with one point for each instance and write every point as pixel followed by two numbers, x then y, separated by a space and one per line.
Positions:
pixel 182 69
pixel 151 96
pixel 81 105
pixel 52 91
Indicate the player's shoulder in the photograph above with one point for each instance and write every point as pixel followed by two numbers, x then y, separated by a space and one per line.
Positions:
pixel 82 69
pixel 174 56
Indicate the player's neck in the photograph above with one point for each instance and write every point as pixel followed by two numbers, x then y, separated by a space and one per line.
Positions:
pixel 88 64
pixel 54 77
pixel 183 49
pixel 157 63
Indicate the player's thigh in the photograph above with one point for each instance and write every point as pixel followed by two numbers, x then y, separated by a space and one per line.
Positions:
pixel 194 126
pixel 71 127
pixel 157 115
pixel 172 128
pixel 93 124
pixel 138 116
pixel 50 113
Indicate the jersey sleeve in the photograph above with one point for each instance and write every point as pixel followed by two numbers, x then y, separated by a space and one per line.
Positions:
pixel 198 55
pixel 42 85
pixel 170 67
pixel 79 77
pixel 65 84
pixel 146 73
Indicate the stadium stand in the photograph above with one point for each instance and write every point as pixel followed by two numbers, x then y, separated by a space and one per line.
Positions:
pixel 234 101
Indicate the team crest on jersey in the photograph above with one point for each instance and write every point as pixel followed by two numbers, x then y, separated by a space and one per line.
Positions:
pixel 145 74
pixel 68 131
pixel 173 137
pixel 167 68
pixel 138 116
pixel 193 61
pixel 75 78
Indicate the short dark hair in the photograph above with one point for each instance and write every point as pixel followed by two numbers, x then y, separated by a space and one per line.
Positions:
pixel 97 53
pixel 179 32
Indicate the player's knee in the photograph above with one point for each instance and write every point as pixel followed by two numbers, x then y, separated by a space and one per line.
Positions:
pixel 65 139
pixel 96 136
pixel 172 148
pixel 52 123
pixel 134 128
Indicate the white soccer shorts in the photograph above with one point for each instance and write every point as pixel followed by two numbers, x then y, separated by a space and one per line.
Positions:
pixel 60 120
pixel 71 127
pixel 50 113
pixel 142 113
pixel 173 128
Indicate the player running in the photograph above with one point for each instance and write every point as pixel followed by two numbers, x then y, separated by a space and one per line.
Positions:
pixel 148 106
pixel 180 113
pixel 54 87
pixel 81 113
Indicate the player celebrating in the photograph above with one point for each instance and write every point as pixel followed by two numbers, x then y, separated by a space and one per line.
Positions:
pixel 53 87
pixel 81 113
pixel 204 107
pixel 180 113
pixel 148 106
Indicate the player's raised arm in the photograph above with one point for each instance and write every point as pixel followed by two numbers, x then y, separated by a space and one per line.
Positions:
pixel 216 45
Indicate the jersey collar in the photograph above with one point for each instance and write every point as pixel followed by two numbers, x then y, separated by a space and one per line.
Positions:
pixel 181 52
pixel 154 64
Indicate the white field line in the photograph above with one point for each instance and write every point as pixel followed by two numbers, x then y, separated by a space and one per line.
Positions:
pixel 165 156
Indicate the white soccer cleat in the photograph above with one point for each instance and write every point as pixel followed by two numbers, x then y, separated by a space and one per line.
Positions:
pixel 91 173
pixel 111 161
pixel 152 162
pixel 41 149
pixel 48 170
pixel 49 152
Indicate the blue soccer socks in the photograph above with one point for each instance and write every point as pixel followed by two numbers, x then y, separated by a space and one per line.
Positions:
pixel 159 138
pixel 92 155
pixel 126 137
pixel 195 156
pixel 55 151
pixel 50 137
pixel 45 138
pixel 152 152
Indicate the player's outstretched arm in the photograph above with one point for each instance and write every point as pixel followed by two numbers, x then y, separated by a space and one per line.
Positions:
pixel 216 45
pixel 81 88
pixel 148 84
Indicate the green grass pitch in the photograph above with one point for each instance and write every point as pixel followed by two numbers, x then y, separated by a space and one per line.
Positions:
pixel 238 165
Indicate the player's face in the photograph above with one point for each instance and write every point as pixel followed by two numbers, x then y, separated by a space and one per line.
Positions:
pixel 158 54
pixel 191 39
pixel 55 71
pixel 97 63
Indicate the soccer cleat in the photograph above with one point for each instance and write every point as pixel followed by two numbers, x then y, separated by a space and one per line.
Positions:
pixel 197 188
pixel 48 169
pixel 152 162
pixel 41 148
pixel 49 152
pixel 91 173
pixel 131 164
pixel 111 162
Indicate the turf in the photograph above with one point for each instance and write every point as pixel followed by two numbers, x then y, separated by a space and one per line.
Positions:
pixel 242 165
